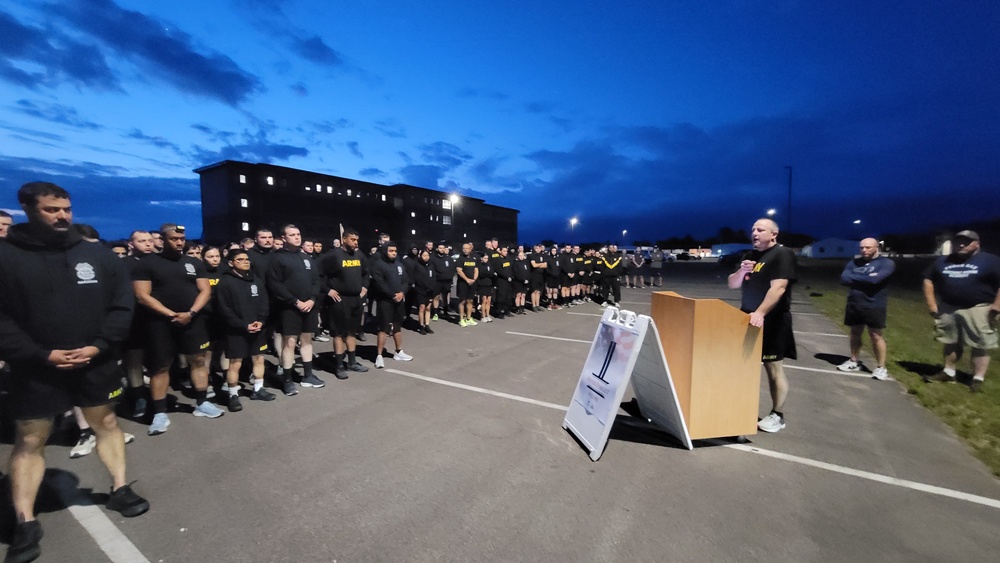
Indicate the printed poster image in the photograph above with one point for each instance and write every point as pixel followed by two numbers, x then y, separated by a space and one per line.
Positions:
pixel 604 371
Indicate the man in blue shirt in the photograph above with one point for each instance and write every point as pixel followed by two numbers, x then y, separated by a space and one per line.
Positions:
pixel 962 291
pixel 867 277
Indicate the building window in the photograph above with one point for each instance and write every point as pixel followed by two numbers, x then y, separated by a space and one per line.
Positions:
pixel 308 189
pixel 413 231
pixel 413 213
pixel 246 226
pixel 348 193
pixel 446 220
pixel 243 179
pixel 270 180
pixel 474 221
pixel 383 197
pixel 446 204
pixel 329 189
pixel 244 203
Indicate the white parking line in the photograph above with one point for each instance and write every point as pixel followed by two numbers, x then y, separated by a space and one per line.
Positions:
pixel 821 334
pixel 548 337
pixel 109 538
pixel 863 374
pixel 885 479
pixel 586 314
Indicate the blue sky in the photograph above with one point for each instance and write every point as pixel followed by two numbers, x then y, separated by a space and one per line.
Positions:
pixel 659 117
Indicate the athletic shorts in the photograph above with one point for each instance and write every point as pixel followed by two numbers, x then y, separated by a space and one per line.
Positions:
pixel 521 286
pixel 390 316
pixel 778 340
pixel 292 322
pixel 424 297
pixel 444 287
pixel 566 281
pixel 166 340
pixel 465 291
pixel 867 316
pixel 484 290
pixel 970 327
pixel 243 345
pixel 39 391
pixel 537 282
pixel 137 333
pixel 551 282
pixel 343 318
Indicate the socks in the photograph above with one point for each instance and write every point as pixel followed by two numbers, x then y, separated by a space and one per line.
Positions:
pixel 159 406
pixel 307 368
pixel 950 372
pixel 201 396
pixel 351 357
pixel 258 384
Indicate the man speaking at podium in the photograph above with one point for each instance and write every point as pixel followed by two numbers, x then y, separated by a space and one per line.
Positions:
pixel 765 276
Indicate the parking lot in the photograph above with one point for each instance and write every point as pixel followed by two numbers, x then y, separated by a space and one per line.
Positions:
pixel 459 455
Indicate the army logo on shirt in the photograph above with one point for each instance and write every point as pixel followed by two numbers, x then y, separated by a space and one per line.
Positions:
pixel 190 269
pixel 308 264
pixel 253 290
pixel 85 273
pixel 399 270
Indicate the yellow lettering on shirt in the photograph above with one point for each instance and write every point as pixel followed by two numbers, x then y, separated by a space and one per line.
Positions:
pixel 213 282
pixel 351 264
pixel 757 267
pixel 471 263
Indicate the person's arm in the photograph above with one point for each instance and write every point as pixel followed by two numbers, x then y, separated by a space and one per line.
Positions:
pixel 143 296
pixel 847 276
pixel 228 308
pixel 883 269
pixel 930 298
pixel 735 280
pixel 204 296
pixel 120 308
pixel 276 282
pixel 771 298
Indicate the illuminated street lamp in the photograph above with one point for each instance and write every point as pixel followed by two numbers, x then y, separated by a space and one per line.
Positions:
pixel 624 232
pixel 771 212
pixel 572 224
pixel 857 221
pixel 454 202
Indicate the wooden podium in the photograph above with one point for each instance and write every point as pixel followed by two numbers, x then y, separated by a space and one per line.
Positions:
pixel 714 358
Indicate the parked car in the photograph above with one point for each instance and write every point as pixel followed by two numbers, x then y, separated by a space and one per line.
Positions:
pixel 688 256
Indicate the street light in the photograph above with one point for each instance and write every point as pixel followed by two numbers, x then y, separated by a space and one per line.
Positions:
pixel 771 212
pixel 857 221
pixel 572 225
pixel 624 232
pixel 454 202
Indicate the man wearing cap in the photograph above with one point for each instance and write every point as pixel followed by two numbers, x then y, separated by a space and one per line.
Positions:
pixel 962 291
pixel 867 276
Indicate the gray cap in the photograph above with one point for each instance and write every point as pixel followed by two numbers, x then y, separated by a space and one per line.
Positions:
pixel 971 235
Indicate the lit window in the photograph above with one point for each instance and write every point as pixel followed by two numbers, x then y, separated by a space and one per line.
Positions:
pixel 243 179
pixel 308 189
pixel 319 188
pixel 244 203
pixel 270 181
pixel 246 226
pixel 383 197
pixel 446 220
pixel 446 203
pixel 413 231
pixel 413 213
pixel 473 221
pixel 348 193
pixel 329 189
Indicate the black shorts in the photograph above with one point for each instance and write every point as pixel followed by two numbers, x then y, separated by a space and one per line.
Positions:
pixel 537 282
pixel 242 345
pixel 390 316
pixel 869 317
pixel 166 340
pixel 551 282
pixel 424 297
pixel 343 318
pixel 778 340
pixel 39 391
pixel 566 281
pixel 465 291
pixel 484 290
pixel 521 286
pixel 292 322
pixel 444 287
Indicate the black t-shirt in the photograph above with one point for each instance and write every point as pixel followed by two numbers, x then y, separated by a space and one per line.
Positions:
pixel 174 279
pixel 962 283
pixel 555 265
pixel 468 265
pixel 538 258
pixel 775 263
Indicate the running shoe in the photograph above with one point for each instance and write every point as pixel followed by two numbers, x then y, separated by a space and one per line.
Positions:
pixel 289 388
pixel 939 376
pixel 880 374
pixel 262 395
pixel 320 338
pixel 401 356
pixel 471 322
pixel 976 386
pixel 84 445
pixel 849 365
pixel 379 362
pixel 125 501
pixel 234 403
pixel 312 381
pixel 771 423
pixel 159 425
pixel 207 410
pixel 462 323
pixel 25 546
pixel 356 366
pixel 434 318
pixel 428 330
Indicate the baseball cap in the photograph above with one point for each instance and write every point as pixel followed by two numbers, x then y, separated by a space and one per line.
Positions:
pixel 971 235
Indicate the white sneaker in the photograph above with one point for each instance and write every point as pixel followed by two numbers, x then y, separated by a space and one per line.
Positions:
pixel 771 423
pixel 880 374
pixel 401 356
pixel 379 361
pixel 129 438
pixel 849 365
pixel 83 446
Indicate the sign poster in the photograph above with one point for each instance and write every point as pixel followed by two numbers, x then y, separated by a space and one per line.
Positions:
pixel 621 340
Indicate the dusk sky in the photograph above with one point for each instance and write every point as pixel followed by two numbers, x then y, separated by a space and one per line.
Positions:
pixel 660 117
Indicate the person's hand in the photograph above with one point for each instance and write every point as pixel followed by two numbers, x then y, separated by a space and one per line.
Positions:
pixel 255 327
pixel 334 295
pixel 182 319
pixel 72 359
pixel 398 297
pixel 305 306
pixel 756 319
pixel 746 266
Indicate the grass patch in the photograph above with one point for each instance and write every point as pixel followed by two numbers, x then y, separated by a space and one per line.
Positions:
pixel 912 352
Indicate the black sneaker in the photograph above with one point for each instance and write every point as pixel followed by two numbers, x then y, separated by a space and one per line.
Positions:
pixel 340 373
pixel 422 330
pixel 429 330
pixel 25 545
pixel 939 376
pixel 312 381
pixel 234 403
pixel 976 386
pixel 289 388
pixel 360 337
pixel 262 395
pixel 356 366
pixel 125 501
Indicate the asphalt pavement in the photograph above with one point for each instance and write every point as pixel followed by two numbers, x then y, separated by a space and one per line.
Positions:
pixel 459 455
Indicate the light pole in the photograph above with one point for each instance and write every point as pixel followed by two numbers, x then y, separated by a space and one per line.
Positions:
pixel 789 221
pixel 454 202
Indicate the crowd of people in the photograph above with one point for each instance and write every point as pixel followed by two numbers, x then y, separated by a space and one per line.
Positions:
pixel 82 327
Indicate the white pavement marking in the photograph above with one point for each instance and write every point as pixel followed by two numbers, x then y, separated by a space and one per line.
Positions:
pixel 549 337
pixel 586 314
pixel 109 538
pixel 478 389
pixel 821 334
pixel 831 371
pixel 812 314
pixel 912 485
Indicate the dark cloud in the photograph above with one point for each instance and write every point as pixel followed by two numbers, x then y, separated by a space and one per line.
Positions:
pixel 391 128
pixel 482 93
pixel 251 152
pixel 326 126
pixel 355 150
pixel 539 107
pixel 161 50
pixel 372 173
pixel 444 154
pixel 299 89
pixel 422 175
pixel 314 49
pixel 158 142
pixel 60 58
pixel 56 113
pixel 268 17
pixel 215 134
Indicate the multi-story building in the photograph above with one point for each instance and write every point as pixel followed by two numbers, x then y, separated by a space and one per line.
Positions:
pixel 239 197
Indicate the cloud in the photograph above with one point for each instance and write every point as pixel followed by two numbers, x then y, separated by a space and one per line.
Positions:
pixel 372 173
pixel 56 113
pixel 444 154
pixel 269 18
pixel 353 147
pixel 217 135
pixel 299 89
pixel 161 50
pixel 422 175
pixel 391 128
pixel 252 152
pixel 60 58
pixel 158 142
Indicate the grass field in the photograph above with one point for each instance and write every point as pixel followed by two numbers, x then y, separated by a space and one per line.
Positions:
pixel 912 352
